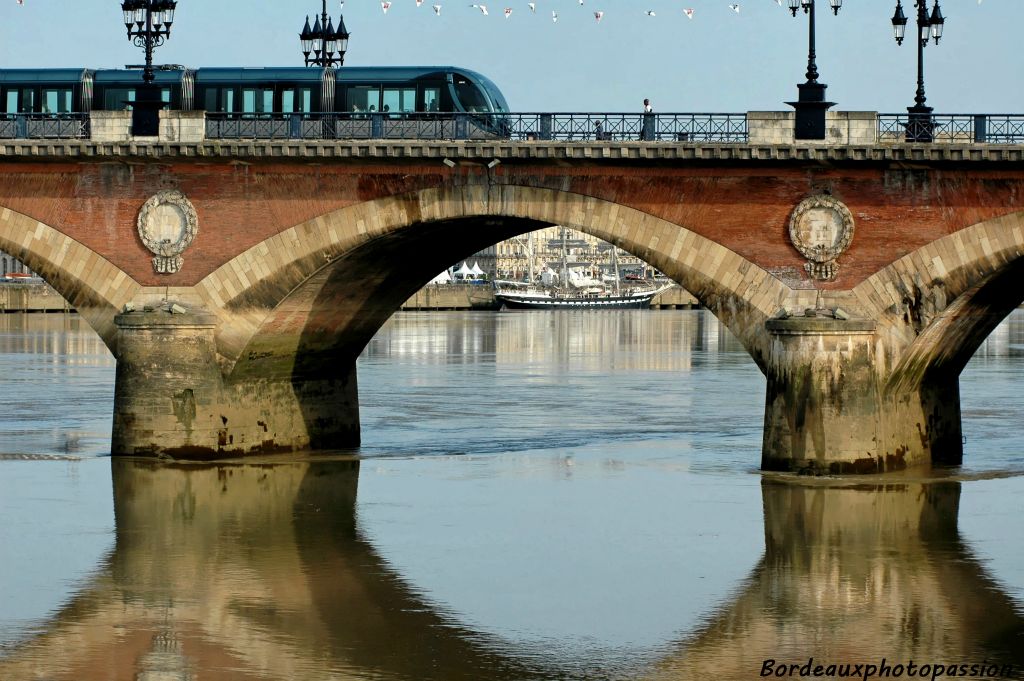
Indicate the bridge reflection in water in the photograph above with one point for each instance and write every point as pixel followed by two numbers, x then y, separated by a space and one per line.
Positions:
pixel 261 572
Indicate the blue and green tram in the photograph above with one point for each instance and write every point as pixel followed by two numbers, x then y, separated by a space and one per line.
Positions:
pixel 358 89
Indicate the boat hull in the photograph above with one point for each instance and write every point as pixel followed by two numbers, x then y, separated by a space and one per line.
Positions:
pixel 513 301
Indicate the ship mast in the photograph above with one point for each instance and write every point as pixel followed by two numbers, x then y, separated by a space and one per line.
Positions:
pixel 565 261
pixel 615 268
pixel 531 256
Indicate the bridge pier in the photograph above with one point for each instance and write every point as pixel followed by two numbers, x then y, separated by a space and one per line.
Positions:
pixel 171 398
pixel 830 409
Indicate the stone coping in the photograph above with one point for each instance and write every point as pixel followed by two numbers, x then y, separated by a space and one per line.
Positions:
pixel 815 326
pixel 476 155
pixel 162 318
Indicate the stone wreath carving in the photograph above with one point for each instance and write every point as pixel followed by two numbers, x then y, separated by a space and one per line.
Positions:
pixel 167 224
pixel 821 228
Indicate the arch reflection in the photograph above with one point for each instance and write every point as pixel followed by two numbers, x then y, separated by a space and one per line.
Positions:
pixel 249 572
pixel 258 571
pixel 854 573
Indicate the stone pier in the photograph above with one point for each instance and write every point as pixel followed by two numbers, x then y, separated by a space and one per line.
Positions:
pixel 172 400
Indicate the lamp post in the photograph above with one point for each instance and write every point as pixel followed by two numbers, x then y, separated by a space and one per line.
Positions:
pixel 920 125
pixel 811 105
pixel 322 40
pixel 149 24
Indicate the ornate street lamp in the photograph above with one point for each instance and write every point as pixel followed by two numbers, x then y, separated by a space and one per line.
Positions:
pixel 322 40
pixel 811 105
pixel 149 24
pixel 920 125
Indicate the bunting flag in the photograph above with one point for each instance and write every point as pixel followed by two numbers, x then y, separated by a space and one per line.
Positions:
pixel 649 12
pixel 508 12
pixel 437 10
pixel 554 17
pixel 597 15
pixel 735 8
pixel 532 6
pixel 385 6
pixel 482 8
pixel 688 12
pixel 419 3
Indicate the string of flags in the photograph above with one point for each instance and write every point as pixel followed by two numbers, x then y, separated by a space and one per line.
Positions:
pixel 689 12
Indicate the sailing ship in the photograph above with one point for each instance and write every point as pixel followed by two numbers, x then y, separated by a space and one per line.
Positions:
pixel 573 291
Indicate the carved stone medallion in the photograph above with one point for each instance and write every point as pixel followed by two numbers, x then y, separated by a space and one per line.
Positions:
pixel 167 224
pixel 821 228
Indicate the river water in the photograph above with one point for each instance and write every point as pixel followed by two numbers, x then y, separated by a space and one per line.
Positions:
pixel 539 496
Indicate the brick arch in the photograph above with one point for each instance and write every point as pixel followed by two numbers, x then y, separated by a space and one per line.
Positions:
pixel 296 264
pixel 938 304
pixel 92 285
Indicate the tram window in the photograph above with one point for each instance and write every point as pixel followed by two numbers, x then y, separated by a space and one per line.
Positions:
pixel 12 101
pixel 219 99
pixel 471 96
pixel 297 101
pixel 28 101
pixel 117 99
pixel 362 97
pixel 257 100
pixel 56 101
pixel 396 100
pixel 431 99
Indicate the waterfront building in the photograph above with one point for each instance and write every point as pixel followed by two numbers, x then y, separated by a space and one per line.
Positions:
pixel 513 258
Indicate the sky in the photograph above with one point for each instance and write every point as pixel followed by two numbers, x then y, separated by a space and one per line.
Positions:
pixel 720 61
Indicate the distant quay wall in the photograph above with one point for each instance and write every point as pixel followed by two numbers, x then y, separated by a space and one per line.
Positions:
pixel 31 298
pixel 481 297
pixel 42 298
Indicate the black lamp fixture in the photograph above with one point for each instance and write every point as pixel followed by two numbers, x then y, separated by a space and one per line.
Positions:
pixel 149 25
pixel 322 45
pixel 811 105
pixel 920 126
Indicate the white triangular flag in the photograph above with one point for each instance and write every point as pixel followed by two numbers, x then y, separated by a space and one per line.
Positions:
pixel 597 15
pixel 508 12
pixel 437 10
pixel 735 8
pixel 385 6
pixel 649 12
pixel 532 6
pixel 419 3
pixel 554 17
pixel 688 12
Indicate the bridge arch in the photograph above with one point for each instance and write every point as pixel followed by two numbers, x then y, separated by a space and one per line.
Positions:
pixel 95 287
pixel 936 305
pixel 268 297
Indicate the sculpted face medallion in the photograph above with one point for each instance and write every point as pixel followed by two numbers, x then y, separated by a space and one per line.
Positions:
pixel 167 225
pixel 821 228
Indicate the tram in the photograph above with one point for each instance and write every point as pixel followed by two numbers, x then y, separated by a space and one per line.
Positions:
pixel 392 92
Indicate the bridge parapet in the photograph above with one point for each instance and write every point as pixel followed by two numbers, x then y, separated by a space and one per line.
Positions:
pixel 843 128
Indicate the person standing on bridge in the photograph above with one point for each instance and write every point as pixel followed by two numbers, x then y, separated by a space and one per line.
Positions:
pixel 647 127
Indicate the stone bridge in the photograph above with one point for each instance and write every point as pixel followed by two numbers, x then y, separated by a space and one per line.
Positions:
pixel 860 278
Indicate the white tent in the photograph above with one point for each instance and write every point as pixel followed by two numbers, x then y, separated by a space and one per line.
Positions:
pixel 477 272
pixel 464 272
pixel 443 278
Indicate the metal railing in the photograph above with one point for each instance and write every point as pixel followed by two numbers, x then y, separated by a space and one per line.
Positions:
pixel 562 127
pixel 951 128
pixel 526 127
pixel 44 126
